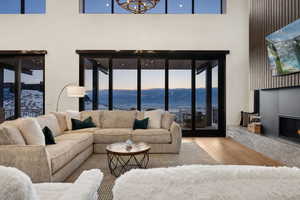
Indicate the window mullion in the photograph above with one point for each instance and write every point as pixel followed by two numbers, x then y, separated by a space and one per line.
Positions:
pixel 139 92
pixel 112 6
pixel 193 74
pixel 95 87
pixel 110 97
pixel 167 84
pixel 18 88
pixel 166 7
pixel 22 2
pixel 193 6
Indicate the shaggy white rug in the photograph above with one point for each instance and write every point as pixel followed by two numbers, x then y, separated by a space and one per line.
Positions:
pixel 209 183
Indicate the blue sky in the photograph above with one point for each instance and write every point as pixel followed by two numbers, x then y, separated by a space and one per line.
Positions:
pixel 127 79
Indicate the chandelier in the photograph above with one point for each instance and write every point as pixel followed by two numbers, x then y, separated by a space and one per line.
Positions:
pixel 137 6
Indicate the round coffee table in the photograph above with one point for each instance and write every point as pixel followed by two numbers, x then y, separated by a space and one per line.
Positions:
pixel 121 159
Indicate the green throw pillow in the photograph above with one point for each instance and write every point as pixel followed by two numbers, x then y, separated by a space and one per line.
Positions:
pixel 49 139
pixel 140 124
pixel 78 124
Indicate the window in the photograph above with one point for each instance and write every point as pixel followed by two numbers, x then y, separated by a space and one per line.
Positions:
pixel 96 6
pixel 180 6
pixel 7 96
pixel 96 81
pixel 22 85
pixel 35 6
pixel 180 91
pixel 208 6
pixel 125 84
pixel 32 86
pixel 22 6
pixel 10 6
pixel 153 84
pixel 206 94
pixel 186 83
pixel 163 7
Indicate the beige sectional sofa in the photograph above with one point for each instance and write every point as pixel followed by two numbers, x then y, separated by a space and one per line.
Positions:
pixel 54 163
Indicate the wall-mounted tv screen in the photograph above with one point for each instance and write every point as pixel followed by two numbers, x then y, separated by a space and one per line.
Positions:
pixel 284 49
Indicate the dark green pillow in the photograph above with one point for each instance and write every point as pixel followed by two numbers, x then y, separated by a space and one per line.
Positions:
pixel 49 139
pixel 140 124
pixel 78 124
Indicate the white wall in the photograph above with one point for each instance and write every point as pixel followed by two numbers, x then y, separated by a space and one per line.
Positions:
pixel 63 30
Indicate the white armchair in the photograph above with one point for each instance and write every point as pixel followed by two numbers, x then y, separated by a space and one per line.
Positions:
pixel 16 185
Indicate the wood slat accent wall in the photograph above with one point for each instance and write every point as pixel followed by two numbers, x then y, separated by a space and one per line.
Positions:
pixel 267 16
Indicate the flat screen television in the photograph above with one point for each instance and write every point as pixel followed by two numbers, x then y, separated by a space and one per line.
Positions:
pixel 284 49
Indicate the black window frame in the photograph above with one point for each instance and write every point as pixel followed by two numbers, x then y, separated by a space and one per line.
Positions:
pixel 222 10
pixel 19 55
pixel 220 56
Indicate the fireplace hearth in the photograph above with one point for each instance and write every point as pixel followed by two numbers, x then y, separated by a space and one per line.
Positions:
pixel 289 128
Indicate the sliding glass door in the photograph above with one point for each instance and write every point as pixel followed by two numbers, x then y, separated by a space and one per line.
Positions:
pixel 22 85
pixel 124 84
pixel 190 85
pixel 152 84
pixel 180 91
pixel 206 94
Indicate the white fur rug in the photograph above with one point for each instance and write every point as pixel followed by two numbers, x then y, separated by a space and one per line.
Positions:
pixel 209 183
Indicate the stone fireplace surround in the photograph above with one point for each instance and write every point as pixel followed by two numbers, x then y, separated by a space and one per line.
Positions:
pixel 280 111
pixel 280 117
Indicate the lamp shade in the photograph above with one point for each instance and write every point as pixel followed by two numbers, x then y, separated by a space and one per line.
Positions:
pixel 75 91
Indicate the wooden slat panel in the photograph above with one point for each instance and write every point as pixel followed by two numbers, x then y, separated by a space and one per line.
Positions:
pixel 267 16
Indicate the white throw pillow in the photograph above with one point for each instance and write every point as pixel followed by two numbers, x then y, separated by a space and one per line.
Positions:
pixel 155 117
pixel 71 115
pixel 31 131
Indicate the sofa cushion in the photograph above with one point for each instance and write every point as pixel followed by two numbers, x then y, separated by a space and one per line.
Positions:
pixel 152 136
pixel 11 135
pixel 155 117
pixel 31 131
pixel 118 119
pixel 95 114
pixel 71 115
pixel 51 122
pixel 62 121
pixel 167 120
pixel 108 136
pixel 85 130
pixel 67 147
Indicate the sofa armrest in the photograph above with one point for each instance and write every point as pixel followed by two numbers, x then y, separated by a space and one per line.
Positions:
pixel 85 187
pixel 31 159
pixel 176 134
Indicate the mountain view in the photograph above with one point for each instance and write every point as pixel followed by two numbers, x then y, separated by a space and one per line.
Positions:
pixel 154 98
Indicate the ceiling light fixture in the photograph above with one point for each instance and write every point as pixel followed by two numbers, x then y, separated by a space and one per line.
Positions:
pixel 137 6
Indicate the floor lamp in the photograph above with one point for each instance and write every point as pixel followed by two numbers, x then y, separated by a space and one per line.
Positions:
pixel 72 91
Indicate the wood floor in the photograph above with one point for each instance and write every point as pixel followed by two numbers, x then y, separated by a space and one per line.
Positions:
pixel 229 152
